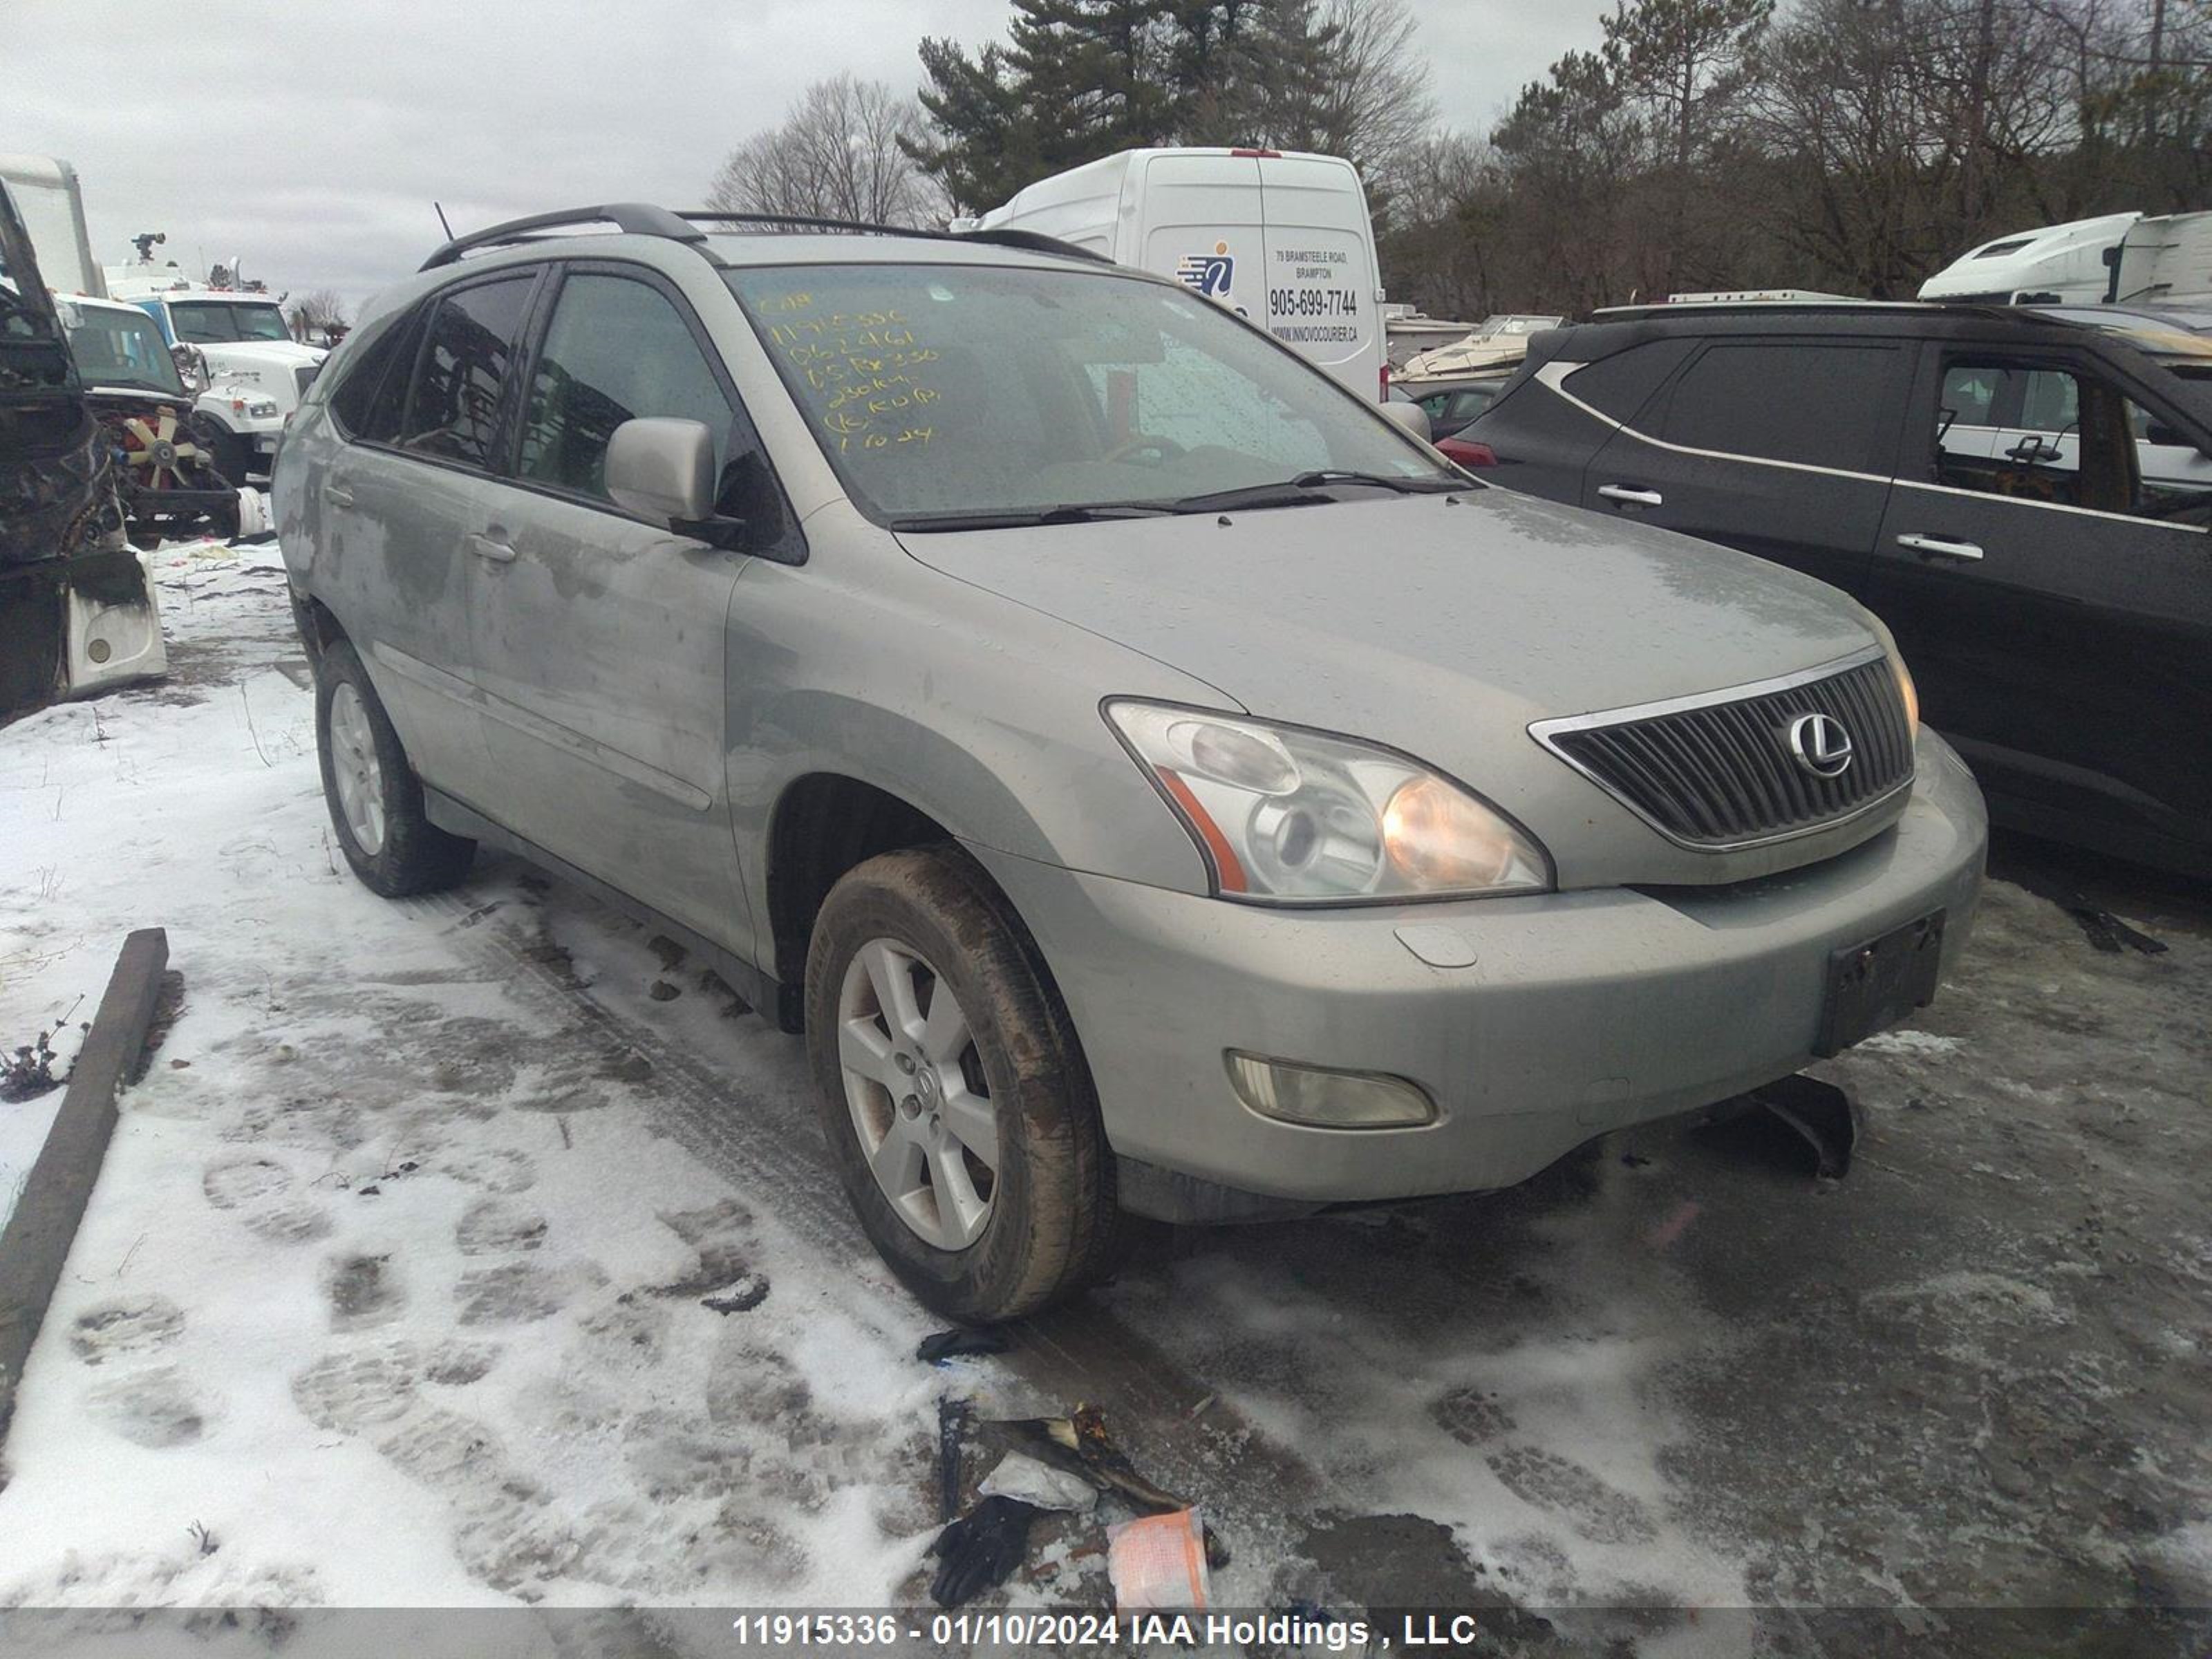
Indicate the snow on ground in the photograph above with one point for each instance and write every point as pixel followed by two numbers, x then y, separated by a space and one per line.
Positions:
pixel 22 1131
pixel 390 1290
pixel 391 1286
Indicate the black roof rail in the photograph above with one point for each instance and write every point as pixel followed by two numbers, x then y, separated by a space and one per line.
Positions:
pixel 1029 239
pixel 643 219
pixel 1036 241
pixel 634 218
pixel 1651 310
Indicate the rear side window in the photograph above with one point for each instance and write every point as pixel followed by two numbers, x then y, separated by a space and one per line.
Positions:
pixel 370 397
pixel 1825 405
pixel 453 406
pixel 617 349
pixel 1620 386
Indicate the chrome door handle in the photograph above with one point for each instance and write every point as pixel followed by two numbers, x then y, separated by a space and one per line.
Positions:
pixel 1937 547
pixel 490 547
pixel 338 497
pixel 1631 497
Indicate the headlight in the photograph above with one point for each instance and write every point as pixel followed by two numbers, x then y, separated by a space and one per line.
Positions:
pixel 1910 692
pixel 1290 817
pixel 262 409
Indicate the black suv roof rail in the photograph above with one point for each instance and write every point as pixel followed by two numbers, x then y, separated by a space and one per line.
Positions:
pixel 632 218
pixel 644 219
pixel 1770 307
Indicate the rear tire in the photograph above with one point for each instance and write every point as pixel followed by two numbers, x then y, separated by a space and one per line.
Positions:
pixel 1051 1226
pixel 375 798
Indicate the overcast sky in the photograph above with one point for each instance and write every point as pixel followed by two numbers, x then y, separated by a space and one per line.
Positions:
pixel 309 138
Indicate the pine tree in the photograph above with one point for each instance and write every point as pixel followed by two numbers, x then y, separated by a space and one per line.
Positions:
pixel 988 149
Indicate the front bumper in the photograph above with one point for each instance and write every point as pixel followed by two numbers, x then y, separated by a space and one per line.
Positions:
pixel 1581 1011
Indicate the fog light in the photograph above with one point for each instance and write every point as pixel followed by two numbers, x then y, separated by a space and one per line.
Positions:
pixel 1327 1099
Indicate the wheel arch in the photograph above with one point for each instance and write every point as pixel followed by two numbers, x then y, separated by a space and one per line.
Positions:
pixel 826 823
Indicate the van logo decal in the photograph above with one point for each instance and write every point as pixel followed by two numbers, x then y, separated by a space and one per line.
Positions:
pixel 1210 274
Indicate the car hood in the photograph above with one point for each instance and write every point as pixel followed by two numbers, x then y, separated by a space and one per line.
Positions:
pixel 1441 627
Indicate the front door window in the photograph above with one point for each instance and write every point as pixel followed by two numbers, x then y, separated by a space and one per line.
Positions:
pixel 2056 433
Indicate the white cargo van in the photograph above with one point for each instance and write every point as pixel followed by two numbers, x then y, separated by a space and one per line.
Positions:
pixel 1281 238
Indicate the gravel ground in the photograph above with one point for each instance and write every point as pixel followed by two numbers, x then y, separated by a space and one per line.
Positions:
pixel 1963 1384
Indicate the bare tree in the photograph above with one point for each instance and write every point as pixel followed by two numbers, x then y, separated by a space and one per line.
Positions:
pixel 837 155
pixel 318 311
pixel 1378 101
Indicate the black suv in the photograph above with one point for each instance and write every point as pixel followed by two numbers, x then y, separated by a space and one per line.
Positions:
pixel 2026 502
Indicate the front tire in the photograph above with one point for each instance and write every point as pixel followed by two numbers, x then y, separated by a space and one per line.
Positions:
pixel 231 452
pixel 955 1097
pixel 375 798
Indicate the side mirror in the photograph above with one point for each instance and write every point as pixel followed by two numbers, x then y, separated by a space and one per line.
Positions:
pixel 1411 417
pixel 2165 437
pixel 662 468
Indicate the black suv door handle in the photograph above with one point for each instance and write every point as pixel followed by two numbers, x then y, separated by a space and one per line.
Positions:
pixel 1629 495
pixel 1937 547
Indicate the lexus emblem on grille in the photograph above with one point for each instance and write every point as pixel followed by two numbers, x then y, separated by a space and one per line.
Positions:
pixel 1820 744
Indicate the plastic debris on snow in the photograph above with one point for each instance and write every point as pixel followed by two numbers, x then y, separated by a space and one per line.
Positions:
pixel 1157 1563
pixel 1022 1477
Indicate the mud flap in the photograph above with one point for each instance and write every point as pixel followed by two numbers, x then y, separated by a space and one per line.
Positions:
pixel 1775 1125
pixel 1826 1118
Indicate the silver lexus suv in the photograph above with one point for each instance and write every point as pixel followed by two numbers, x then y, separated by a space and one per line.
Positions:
pixel 1153 780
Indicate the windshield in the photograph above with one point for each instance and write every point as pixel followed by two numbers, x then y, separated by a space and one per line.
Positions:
pixel 120 347
pixel 214 322
pixel 955 391
pixel 1498 326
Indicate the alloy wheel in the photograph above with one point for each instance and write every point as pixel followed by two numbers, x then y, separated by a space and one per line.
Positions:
pixel 914 1085
pixel 356 770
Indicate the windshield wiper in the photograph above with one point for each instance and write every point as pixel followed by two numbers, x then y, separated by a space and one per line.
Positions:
pixel 1023 518
pixel 1304 490
pixel 1403 486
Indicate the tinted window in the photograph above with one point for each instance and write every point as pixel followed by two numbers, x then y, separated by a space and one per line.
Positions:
pixel 617 349
pixel 373 389
pixel 1622 384
pixel 1822 404
pixel 454 404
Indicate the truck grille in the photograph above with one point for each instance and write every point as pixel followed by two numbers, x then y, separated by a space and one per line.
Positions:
pixel 1717 773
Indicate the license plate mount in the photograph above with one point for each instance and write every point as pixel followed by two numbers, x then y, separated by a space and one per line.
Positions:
pixel 1874 985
